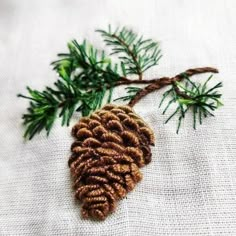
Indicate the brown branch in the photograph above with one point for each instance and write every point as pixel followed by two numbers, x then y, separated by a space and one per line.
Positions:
pixel 162 82
pixel 126 81
pixel 134 57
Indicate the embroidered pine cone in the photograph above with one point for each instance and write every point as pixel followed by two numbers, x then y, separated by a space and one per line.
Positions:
pixel 111 145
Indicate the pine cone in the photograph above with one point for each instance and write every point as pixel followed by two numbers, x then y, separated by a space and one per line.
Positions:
pixel 111 145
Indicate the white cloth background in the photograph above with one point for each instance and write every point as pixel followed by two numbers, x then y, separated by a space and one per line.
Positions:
pixel 188 189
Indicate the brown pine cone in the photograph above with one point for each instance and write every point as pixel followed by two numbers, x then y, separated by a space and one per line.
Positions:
pixel 111 145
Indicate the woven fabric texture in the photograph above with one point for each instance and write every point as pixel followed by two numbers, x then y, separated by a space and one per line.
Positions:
pixel 189 188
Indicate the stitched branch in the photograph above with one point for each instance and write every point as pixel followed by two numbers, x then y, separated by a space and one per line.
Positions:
pixel 162 82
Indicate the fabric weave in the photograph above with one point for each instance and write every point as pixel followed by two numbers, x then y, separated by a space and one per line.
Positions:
pixel 189 188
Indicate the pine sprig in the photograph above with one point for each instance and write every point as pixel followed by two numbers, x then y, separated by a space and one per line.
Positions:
pixel 41 112
pixel 45 105
pixel 87 78
pixel 203 101
pixel 136 54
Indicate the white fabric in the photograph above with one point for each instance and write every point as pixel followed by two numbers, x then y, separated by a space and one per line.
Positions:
pixel 189 187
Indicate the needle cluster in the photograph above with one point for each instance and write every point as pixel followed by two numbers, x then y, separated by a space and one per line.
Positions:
pixel 189 95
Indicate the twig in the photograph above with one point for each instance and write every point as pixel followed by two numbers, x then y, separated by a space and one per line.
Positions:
pixel 156 84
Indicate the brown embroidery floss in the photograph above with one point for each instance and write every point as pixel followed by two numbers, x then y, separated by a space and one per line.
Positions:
pixel 111 145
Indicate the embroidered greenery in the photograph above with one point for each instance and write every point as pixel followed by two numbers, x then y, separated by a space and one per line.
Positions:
pixel 87 78
pixel 136 54
pixel 191 95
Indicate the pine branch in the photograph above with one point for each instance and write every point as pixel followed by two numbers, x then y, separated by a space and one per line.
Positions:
pixel 157 84
pixel 137 55
pixel 87 79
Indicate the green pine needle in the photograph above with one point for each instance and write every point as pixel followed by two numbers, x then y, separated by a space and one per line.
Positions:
pixel 201 100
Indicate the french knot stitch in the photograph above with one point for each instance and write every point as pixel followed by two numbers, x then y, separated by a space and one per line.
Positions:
pixel 110 147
